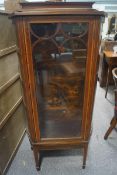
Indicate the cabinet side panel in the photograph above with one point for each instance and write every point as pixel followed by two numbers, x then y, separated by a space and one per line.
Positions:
pixel 91 79
pixel 25 64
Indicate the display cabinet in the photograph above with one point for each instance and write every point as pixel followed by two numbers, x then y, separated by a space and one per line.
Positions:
pixel 58 48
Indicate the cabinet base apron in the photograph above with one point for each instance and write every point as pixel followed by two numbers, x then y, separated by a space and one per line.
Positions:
pixel 38 150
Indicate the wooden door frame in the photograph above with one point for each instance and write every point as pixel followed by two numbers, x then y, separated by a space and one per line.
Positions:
pixel 28 72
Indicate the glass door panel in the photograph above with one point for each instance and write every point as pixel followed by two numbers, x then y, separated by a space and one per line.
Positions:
pixel 59 60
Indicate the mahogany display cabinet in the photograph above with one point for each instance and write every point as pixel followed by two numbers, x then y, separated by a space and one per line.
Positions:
pixel 58 48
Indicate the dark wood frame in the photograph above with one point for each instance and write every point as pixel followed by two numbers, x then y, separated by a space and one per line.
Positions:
pixel 22 22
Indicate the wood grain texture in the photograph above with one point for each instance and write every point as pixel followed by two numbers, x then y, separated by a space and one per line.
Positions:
pixel 54 8
pixel 57 11
pixel 25 77
pixel 59 4
pixel 53 16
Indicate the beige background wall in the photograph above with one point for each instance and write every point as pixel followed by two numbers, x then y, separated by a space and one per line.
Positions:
pixel 12 113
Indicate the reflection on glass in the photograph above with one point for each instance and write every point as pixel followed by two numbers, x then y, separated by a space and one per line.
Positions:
pixel 43 30
pixel 59 58
pixel 74 30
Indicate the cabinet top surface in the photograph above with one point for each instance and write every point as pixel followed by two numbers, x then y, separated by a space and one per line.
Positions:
pixel 57 8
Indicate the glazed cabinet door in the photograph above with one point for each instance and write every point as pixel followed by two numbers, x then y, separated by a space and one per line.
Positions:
pixel 59 56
